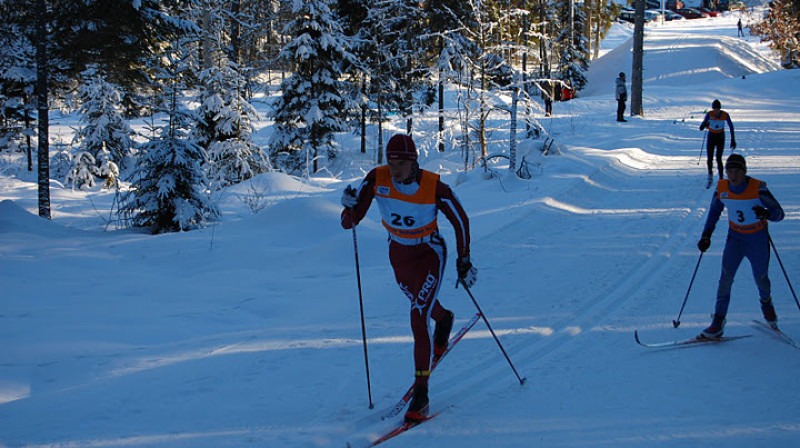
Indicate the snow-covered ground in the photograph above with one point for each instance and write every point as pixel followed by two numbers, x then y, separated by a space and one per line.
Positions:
pixel 247 333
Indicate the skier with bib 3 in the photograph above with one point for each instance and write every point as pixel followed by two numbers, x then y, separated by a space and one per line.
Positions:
pixel 750 205
pixel 409 199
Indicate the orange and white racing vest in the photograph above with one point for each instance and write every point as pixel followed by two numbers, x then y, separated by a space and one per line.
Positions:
pixel 716 122
pixel 407 217
pixel 741 216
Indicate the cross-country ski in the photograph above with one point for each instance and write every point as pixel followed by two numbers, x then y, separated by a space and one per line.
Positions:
pixel 686 342
pixel 397 408
pixel 777 332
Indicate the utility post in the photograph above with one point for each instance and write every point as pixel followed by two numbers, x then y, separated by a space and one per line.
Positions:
pixel 638 60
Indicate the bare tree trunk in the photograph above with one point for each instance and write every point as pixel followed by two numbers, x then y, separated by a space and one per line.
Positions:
pixel 44 112
pixel 236 38
pixel 206 43
pixel 512 134
pixel 364 114
pixel 589 21
pixel 441 110
pixel 638 60
pixel 28 138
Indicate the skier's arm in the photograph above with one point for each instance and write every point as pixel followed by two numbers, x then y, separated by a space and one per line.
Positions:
pixel 770 203
pixel 733 136
pixel 714 212
pixel 704 124
pixel 448 203
pixel 365 193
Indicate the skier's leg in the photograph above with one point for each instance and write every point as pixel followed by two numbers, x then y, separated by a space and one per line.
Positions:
pixel 732 257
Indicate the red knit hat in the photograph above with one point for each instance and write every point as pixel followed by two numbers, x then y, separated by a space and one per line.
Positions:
pixel 401 147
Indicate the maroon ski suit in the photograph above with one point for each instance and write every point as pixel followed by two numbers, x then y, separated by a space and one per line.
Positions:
pixel 416 250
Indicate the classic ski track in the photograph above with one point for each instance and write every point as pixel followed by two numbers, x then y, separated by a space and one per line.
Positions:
pixel 527 354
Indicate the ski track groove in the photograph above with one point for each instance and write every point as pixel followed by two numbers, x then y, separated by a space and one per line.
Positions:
pixel 527 355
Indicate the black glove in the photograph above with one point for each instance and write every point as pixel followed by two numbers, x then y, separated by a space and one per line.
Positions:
pixel 761 212
pixel 702 126
pixel 349 198
pixel 466 272
pixel 704 243
pixel 733 143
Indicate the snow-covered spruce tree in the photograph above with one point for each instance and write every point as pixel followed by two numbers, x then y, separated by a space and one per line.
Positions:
pixel 450 22
pixel 105 135
pixel 169 190
pixel 402 73
pixel 573 55
pixel 314 103
pixel 225 126
pixel 17 75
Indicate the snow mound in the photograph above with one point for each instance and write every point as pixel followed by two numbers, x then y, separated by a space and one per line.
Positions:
pixel 15 219
pixel 705 59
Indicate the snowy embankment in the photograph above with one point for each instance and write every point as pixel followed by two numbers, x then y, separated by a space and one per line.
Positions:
pixel 247 333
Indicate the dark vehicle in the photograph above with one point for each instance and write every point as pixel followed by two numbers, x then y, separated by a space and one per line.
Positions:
pixel 672 15
pixel 629 15
pixel 691 13
pixel 709 12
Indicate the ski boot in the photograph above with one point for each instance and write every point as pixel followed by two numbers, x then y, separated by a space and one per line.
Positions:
pixel 441 335
pixel 769 312
pixel 418 409
pixel 714 331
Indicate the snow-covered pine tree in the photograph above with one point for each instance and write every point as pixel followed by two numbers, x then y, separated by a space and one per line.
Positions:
pixel 574 55
pixel 225 126
pixel 169 189
pixel 105 135
pixel 450 24
pixel 17 75
pixel 402 76
pixel 314 103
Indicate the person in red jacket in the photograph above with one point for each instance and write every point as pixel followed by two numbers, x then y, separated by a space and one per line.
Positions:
pixel 409 199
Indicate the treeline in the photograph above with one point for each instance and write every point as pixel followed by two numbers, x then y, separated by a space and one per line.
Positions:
pixel 781 28
pixel 340 65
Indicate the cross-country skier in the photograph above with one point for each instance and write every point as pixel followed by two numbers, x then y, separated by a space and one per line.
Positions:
pixel 409 198
pixel 715 121
pixel 750 205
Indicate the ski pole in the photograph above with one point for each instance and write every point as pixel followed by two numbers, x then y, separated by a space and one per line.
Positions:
pixel 784 270
pixel 677 322
pixel 363 326
pixel 521 380
pixel 702 146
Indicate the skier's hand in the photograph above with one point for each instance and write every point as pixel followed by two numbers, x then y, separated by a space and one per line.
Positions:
pixel 349 198
pixel 704 243
pixel 702 126
pixel 733 143
pixel 466 272
pixel 761 212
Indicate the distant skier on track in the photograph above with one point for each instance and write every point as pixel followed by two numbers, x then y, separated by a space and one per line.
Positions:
pixel 409 199
pixel 715 121
pixel 750 205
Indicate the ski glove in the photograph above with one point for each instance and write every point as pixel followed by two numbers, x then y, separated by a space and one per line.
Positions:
pixel 704 243
pixel 733 143
pixel 466 272
pixel 349 198
pixel 761 212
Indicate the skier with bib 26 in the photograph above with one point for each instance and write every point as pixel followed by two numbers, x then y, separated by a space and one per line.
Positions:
pixel 409 199
pixel 750 205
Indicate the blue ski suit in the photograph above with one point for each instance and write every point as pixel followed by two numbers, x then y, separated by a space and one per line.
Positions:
pixel 747 235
